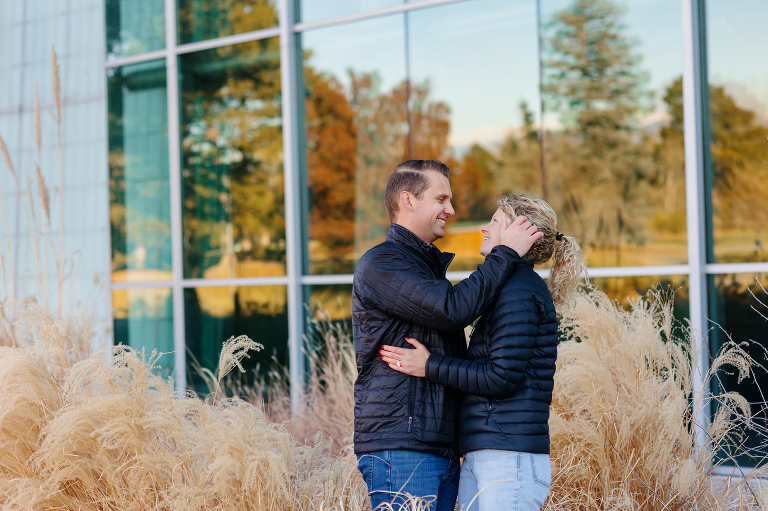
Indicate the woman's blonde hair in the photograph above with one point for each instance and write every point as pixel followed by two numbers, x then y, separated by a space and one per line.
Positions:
pixel 568 266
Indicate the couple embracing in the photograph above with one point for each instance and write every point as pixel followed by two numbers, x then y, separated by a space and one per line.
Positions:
pixel 422 398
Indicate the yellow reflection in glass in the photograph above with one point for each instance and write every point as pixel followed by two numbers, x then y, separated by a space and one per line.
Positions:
pixel 220 302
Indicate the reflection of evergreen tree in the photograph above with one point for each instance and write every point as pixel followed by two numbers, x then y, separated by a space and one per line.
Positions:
pixel 521 157
pixel 593 82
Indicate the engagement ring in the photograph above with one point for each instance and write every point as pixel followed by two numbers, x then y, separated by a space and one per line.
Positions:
pixel 398 363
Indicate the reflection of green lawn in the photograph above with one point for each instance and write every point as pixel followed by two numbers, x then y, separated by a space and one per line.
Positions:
pixel 661 250
pixel 739 247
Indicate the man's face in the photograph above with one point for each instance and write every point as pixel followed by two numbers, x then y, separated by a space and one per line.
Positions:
pixel 433 209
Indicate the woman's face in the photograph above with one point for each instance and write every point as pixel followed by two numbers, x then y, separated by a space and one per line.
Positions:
pixel 491 232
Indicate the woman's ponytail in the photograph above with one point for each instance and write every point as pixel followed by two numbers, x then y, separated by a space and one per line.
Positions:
pixel 568 270
pixel 568 266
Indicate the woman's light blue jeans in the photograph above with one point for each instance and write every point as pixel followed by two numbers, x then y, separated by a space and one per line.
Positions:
pixel 391 474
pixel 514 481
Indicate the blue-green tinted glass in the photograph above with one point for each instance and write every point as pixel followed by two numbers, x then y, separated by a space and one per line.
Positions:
pixel 738 105
pixel 232 162
pixel 138 173
pixel 214 314
pixel 613 163
pixel 134 27
pixel 208 19
pixel 355 129
pixel 143 320
pixel 317 10
pixel 738 312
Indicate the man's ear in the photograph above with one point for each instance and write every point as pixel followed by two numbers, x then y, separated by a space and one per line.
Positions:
pixel 405 200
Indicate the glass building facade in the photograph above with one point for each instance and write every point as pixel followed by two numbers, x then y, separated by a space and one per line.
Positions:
pixel 248 142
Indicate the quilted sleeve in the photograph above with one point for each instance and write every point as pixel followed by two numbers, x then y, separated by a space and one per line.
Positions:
pixel 389 281
pixel 512 333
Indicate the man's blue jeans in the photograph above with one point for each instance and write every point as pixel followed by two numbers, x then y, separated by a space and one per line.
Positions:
pixel 510 480
pixel 391 474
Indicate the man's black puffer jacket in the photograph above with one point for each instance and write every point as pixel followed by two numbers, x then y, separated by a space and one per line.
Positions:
pixel 400 290
pixel 508 376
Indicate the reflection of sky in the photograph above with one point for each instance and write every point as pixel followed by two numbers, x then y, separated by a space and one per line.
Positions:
pixel 737 46
pixel 316 10
pixel 481 58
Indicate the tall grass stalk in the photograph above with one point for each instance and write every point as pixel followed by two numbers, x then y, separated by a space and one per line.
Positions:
pixel 41 229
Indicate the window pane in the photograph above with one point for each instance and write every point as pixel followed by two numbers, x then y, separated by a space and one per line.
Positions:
pixel 738 104
pixel 733 317
pixel 214 314
pixel 143 319
pixel 626 289
pixel 330 300
pixel 316 10
pixel 355 131
pixel 138 173
pixel 207 19
pixel 614 161
pixel 134 26
pixel 368 108
pixel 473 114
pixel 232 161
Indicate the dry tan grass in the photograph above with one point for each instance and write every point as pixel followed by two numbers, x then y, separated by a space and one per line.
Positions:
pixel 621 423
pixel 328 398
pixel 103 432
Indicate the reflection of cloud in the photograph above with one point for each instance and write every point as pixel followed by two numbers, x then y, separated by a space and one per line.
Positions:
pixel 494 135
pixel 748 95
pixel 485 135
pixel 654 121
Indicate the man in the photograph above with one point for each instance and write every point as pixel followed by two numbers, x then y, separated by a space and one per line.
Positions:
pixel 406 427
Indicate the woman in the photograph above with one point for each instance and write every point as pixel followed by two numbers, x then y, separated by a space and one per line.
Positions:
pixel 508 376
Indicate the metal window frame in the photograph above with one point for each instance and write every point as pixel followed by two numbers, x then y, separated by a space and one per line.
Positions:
pixel 694 122
pixel 695 125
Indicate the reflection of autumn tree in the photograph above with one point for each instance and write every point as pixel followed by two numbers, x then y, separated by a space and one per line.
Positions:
pixel 203 19
pixel 355 138
pixel 232 143
pixel 382 142
pixel 594 84
pixel 473 180
pixel 331 136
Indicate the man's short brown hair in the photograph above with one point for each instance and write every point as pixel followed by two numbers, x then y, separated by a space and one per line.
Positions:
pixel 409 176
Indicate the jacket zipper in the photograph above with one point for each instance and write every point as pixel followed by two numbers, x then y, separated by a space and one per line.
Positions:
pixel 411 392
pixel 490 406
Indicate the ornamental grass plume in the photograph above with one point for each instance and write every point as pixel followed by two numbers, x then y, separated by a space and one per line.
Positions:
pixel 105 432
pixel 621 420
pixel 327 398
